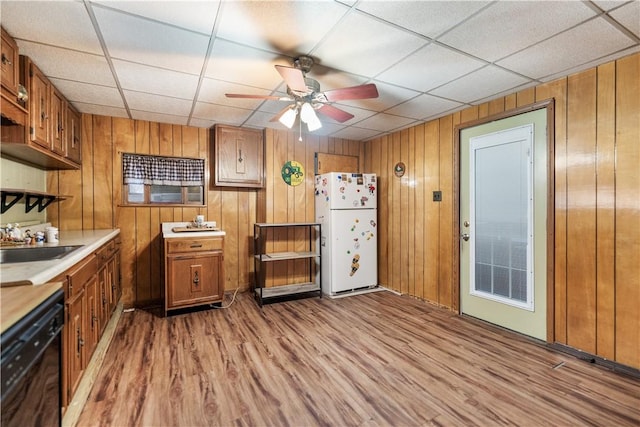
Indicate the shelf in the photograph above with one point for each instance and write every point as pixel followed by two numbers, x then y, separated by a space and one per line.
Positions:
pixel 288 290
pixel 33 199
pixel 311 257
pixel 278 256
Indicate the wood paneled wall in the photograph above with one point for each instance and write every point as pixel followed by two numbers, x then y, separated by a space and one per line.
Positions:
pixel 97 195
pixel 597 203
pixel 597 207
pixel 281 203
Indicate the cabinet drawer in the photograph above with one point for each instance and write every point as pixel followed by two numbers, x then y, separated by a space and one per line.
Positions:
pixel 81 274
pixel 106 252
pixel 191 245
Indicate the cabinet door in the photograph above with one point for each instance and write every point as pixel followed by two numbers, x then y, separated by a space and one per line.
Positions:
pixel 194 279
pixel 239 157
pixel 91 318
pixel 104 286
pixel 39 107
pixel 75 342
pixel 58 109
pixel 73 135
pixel 10 68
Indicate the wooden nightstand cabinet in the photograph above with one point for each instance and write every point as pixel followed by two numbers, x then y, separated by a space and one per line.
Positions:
pixel 194 272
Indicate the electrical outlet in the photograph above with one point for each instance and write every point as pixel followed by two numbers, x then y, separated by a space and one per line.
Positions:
pixel 437 196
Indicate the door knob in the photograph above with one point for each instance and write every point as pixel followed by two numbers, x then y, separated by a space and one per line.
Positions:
pixel 465 237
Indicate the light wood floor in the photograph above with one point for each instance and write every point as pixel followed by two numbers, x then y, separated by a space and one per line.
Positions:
pixel 369 360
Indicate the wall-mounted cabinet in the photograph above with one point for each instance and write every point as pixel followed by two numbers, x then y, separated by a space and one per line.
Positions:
pixel 43 131
pixel 238 157
pixel 10 65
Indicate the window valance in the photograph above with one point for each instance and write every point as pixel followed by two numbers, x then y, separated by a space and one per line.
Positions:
pixel 155 170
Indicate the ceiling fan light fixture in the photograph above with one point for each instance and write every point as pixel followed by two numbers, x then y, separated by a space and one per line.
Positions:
pixel 289 117
pixel 309 116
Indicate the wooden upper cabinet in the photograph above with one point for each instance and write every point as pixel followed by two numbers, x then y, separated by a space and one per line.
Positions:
pixel 10 65
pixel 58 109
pixel 238 157
pixel 39 106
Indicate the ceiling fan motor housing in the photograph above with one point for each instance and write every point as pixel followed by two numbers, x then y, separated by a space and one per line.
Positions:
pixel 303 63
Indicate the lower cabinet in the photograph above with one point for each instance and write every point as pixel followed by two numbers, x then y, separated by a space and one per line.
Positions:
pixel 91 295
pixel 194 272
pixel 74 349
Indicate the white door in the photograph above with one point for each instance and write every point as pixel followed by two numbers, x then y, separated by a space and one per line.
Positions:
pixel 503 231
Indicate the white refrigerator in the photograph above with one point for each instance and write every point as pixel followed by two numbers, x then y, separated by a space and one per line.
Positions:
pixel 346 206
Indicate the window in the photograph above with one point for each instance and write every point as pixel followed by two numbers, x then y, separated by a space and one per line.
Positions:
pixel 154 180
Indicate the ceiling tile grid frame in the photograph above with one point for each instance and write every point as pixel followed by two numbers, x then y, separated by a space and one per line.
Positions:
pixel 172 61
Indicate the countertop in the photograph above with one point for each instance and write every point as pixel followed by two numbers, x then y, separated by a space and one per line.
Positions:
pixel 41 272
pixel 18 301
pixel 205 231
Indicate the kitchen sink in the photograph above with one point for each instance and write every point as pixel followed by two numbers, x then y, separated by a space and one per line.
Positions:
pixel 37 253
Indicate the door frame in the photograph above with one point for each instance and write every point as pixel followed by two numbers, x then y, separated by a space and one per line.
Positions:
pixel 549 105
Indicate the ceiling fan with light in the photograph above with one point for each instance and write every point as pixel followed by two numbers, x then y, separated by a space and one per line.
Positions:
pixel 306 97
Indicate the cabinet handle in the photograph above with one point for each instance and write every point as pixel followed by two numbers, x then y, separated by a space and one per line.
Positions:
pixel 6 60
pixel 79 340
pixel 196 280
pixel 196 245
pixel 240 159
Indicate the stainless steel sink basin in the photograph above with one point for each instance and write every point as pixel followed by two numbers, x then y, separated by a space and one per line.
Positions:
pixel 37 253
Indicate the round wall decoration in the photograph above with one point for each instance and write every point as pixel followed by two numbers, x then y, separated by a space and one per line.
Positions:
pixel 399 169
pixel 293 173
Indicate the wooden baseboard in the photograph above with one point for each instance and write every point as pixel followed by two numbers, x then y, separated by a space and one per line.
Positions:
pixel 73 411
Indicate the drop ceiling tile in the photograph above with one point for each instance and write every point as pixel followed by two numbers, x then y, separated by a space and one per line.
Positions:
pixel 289 27
pixel 63 24
pixel 191 15
pixel 508 26
pixel 142 78
pixel 100 110
pixel 201 123
pixel 359 114
pixel 69 64
pixel 365 46
pixel 221 113
pixel 151 43
pixel 213 92
pixel 479 84
pixel 629 16
pixel 244 65
pixel 429 18
pixel 384 122
pixel 88 93
pixel 430 67
pixel 260 119
pixel 354 133
pixel 157 104
pixel 424 106
pixel 273 107
pixel 582 44
pixel 328 128
pixel 159 118
pixel 609 4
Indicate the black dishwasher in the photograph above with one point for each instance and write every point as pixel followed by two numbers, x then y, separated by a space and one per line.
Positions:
pixel 31 362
